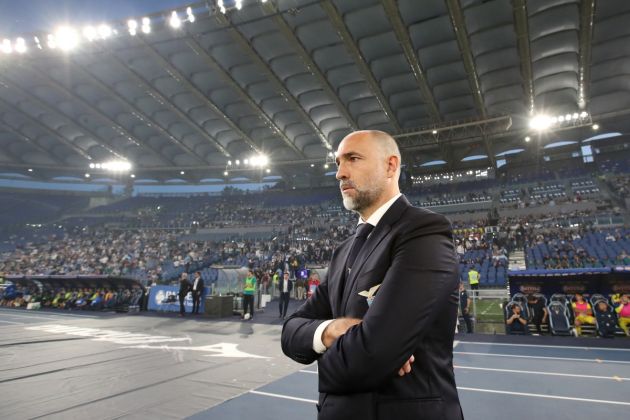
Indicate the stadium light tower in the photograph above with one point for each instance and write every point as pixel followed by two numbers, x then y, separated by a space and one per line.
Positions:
pixel 175 21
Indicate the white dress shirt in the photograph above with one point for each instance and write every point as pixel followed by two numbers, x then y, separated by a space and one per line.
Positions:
pixel 318 344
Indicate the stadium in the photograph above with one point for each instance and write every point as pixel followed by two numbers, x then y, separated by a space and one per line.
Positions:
pixel 163 164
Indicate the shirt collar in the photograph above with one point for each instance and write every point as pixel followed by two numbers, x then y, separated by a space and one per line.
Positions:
pixel 380 212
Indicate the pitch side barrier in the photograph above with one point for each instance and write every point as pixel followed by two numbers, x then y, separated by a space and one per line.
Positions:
pixel 604 280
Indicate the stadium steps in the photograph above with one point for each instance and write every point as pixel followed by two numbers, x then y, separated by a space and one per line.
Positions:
pixel 517 260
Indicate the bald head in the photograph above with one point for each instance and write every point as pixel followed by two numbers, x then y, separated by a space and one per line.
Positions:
pixel 386 144
pixel 368 168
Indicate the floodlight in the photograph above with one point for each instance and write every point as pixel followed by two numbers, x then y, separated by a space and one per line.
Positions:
pixel 263 160
pixel 20 46
pixel 561 118
pixel 583 114
pixel 175 21
pixel 133 27
pixel 92 166
pixel 540 122
pixel 246 161
pixel 434 132
pixel 239 4
pixel 575 116
pixel 66 38
pixel 30 169
pixel 87 175
pixel 595 126
pixel 52 43
pixel 182 173
pixel 190 14
pixel 225 173
pixel 104 31
pixel 527 139
pixel 132 175
pixel 6 46
pixel 146 25
pixel 229 163
pixel 312 165
pixel 326 166
pixel 90 33
pixel 238 162
pixel 268 170
pixel 567 117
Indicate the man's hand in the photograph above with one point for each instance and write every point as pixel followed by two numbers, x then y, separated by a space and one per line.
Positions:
pixel 406 367
pixel 337 328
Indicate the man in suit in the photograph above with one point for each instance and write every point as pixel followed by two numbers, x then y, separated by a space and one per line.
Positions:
pixel 381 325
pixel 184 288
pixel 286 285
pixel 197 291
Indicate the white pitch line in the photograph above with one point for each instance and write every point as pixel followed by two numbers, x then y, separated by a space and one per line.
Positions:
pixel 286 397
pixel 11 322
pixel 308 371
pixel 543 345
pixel 533 372
pixel 520 356
pixel 52 317
pixel 462 388
pixel 554 397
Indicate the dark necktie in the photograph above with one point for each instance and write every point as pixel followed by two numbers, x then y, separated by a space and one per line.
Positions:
pixel 363 231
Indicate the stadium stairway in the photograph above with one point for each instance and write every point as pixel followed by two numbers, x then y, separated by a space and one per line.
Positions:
pixel 517 260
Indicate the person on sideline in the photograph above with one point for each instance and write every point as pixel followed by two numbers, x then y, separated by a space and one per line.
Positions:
pixel 197 291
pixel 286 286
pixel 381 324
pixel 464 304
pixel 249 288
pixel 184 288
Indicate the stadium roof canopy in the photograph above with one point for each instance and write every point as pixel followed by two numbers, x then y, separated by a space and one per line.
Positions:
pixel 290 78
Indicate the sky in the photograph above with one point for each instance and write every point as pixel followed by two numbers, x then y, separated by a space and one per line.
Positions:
pixel 23 17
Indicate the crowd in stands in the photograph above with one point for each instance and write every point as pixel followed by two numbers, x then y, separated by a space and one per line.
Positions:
pixel 581 247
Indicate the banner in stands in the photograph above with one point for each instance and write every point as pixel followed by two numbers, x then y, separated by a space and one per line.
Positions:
pixel 572 281
pixel 166 299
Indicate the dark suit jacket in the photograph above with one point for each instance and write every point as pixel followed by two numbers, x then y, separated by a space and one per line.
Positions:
pixel 199 286
pixel 411 254
pixel 184 288
pixel 289 286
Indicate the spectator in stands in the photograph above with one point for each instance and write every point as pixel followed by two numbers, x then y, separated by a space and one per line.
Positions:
pixel 516 323
pixel 285 286
pixel 473 280
pixel 606 320
pixel 300 285
pixel 184 288
pixel 197 291
pixel 623 312
pixel 538 311
pixel 313 282
pixel 464 305
pixel 249 288
pixel 583 313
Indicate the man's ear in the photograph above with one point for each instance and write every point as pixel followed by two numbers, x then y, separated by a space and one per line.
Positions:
pixel 393 163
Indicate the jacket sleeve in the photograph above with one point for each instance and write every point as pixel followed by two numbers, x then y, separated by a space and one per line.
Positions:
pixel 299 329
pixel 417 286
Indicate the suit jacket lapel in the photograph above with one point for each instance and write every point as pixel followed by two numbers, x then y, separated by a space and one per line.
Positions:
pixel 380 232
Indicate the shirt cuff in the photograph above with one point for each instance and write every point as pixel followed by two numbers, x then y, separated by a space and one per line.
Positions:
pixel 318 344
